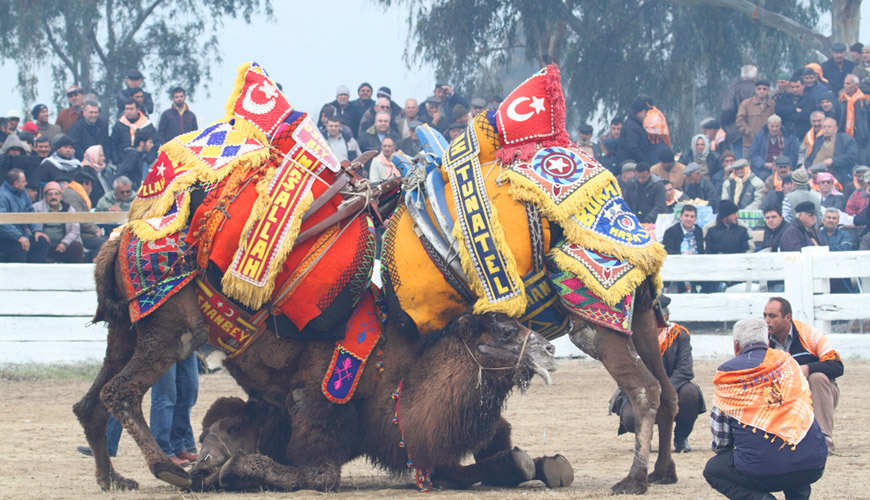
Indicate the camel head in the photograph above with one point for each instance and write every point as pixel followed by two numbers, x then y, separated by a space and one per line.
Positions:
pixel 233 427
pixel 499 344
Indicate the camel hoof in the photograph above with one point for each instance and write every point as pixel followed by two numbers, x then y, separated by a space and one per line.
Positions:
pixel 555 471
pixel 667 477
pixel 173 475
pixel 118 483
pixel 523 465
pixel 630 486
pixel 512 468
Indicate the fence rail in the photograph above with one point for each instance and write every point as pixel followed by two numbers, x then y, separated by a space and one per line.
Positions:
pixel 62 217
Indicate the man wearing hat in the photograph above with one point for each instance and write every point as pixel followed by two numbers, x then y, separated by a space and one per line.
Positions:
pixel 20 242
pixel 742 187
pixel 77 195
pixel 829 195
pixel 584 139
pixel 435 114
pixel 645 194
pixel 783 86
pixel 358 107
pixel 62 163
pixel 453 130
pixel 827 103
pixel 342 103
pixel 859 199
pixel 410 145
pixel 478 104
pixel 70 115
pixel 753 113
pixel 64 244
pixel 134 81
pixel 852 109
pixel 782 167
pixel 633 143
pixel 802 230
pixel 696 187
pixel 669 169
pixel 715 135
pixel 837 67
pixel 627 171
pixel 837 150
pixel 13 117
pixel 801 193
pixel 736 94
pixel 44 129
pixel 727 235
pixel 771 141
pixel 449 99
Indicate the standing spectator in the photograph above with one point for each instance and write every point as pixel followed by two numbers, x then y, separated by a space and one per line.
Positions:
pixel 656 126
pixel 697 187
pixel 134 83
pixel 119 198
pixel 4 129
pixel 802 230
pixel 64 244
pixel 133 163
pixel 815 131
pixel 859 199
pixel 94 163
pixel 395 109
pixel 372 138
pixel 813 82
pixel 742 187
pixel 783 86
pixel 45 129
pixel 837 67
pixel 368 119
pixel 172 397
pixel 62 164
pixel 645 194
pixel 77 194
pixel 800 194
pixel 342 143
pixel 819 363
pixel 584 139
pixel 830 197
pixel 13 117
pixel 746 421
pixel 177 120
pixel 862 218
pixel 753 114
pixel 342 104
pixel 853 109
pixel 409 114
pixel 449 99
pixel 70 115
pixel 734 96
pixel 718 178
pixel 855 52
pixel 771 141
pixel 837 151
pixel 382 165
pixel 862 65
pixel 124 132
pixel 359 106
pixel 605 149
pixel 708 161
pixel 727 235
pixel 91 130
pixel 685 238
pixel 20 242
pixel 714 134
pixel 795 108
pixel 633 143
pixel 410 145
pixel 773 228
pixel 838 240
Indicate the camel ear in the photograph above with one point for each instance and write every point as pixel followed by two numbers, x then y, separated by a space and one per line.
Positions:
pixel 222 408
pixel 465 325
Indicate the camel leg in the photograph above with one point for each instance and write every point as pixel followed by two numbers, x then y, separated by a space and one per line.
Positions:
pixel 253 471
pixel 618 355
pixel 506 468
pixel 645 339
pixel 165 337
pixel 92 415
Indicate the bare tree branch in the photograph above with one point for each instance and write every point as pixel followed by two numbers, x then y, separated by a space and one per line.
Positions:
pixel 57 50
pixel 96 45
pixel 110 24
pixel 796 30
pixel 143 16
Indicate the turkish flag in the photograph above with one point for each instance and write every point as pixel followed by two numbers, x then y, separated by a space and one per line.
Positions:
pixel 534 111
pixel 158 178
pixel 261 103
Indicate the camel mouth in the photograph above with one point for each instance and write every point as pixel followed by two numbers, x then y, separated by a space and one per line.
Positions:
pixel 541 372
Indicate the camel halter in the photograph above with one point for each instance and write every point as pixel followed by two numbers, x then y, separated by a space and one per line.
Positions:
pixel 480 367
pixel 207 456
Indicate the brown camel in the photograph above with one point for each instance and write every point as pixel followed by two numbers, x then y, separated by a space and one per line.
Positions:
pixel 138 355
pixel 448 408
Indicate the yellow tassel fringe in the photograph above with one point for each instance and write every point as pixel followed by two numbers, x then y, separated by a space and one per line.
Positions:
pixel 524 190
pixel 611 296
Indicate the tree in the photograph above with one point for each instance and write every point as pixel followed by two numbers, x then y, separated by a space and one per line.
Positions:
pixel 683 53
pixel 94 43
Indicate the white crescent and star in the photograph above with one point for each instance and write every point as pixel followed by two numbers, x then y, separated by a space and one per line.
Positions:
pixel 257 108
pixel 537 105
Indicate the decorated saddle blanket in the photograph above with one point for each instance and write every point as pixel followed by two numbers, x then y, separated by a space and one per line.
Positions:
pixel 352 353
pixel 154 270
pixel 230 328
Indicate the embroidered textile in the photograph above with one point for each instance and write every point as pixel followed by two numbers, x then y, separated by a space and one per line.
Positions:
pixel 256 104
pixel 230 328
pixel 541 313
pixel 352 352
pixel 580 300
pixel 608 277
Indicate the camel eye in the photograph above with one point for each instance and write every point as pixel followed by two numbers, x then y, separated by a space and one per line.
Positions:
pixel 236 429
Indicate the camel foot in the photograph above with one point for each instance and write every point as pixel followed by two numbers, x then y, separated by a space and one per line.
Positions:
pixel 515 467
pixel 555 471
pixel 119 483
pixel 666 476
pixel 172 474
pixel 630 486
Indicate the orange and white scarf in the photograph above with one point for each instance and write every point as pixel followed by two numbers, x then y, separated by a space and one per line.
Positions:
pixel 656 127
pixel 815 342
pixel 668 335
pixel 773 397
pixel 850 101
pixel 142 122
pixel 738 185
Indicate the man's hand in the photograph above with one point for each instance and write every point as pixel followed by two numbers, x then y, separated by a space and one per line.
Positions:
pixel 768 165
pixel 805 369
pixel 61 248
pixel 828 162
pixel 40 234
pixel 114 208
pixel 24 241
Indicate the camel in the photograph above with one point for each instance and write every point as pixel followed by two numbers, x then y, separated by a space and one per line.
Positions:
pixel 275 368
pixel 299 440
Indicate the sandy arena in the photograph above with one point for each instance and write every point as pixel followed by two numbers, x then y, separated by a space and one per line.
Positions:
pixel 40 434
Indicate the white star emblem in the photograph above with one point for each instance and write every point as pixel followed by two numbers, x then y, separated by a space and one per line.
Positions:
pixel 220 304
pixel 269 90
pixel 537 104
pixel 160 168
pixel 558 165
pixel 611 213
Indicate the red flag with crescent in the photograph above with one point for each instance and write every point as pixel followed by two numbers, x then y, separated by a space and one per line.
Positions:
pixel 260 102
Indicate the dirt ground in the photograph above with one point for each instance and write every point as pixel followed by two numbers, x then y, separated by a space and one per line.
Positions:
pixel 38 436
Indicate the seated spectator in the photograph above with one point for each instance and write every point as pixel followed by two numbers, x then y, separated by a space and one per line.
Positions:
pixel 745 419
pixel 718 178
pixel 94 163
pixel 727 236
pixel 14 146
pixel 838 151
pixel 124 132
pixel 435 116
pixel 715 135
pixel 584 139
pixel 20 242
pixel 672 197
pixel 410 113
pixel 382 165
pixel 815 131
pixel 708 161
pixel 782 166
pixel 645 194
pixel 773 228
pixel 41 148
pixel 837 239
pixel 800 194
pixel 478 105
pixel 62 163
pixel 134 164
pixel 685 238
pixel 628 169
pixel 461 115
pixel 743 187
pixel 411 145
pixel 77 194
pixel 697 187
pixel 371 138
pixel 676 348
pixel 775 199
pixel 342 143
pixel 382 105
pixel 771 141
pixel 64 244
pixel 802 230
pixel 827 105
pixel 814 171
pixel 859 199
pixel 91 130
pixel 119 198
pixel 669 169
pixel 862 218
pixel 830 196
pixel 453 131
pixel 44 129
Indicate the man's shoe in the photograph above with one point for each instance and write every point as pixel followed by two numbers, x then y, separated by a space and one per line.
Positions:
pixel 186 455
pixel 681 445
pixel 86 450
pixel 179 461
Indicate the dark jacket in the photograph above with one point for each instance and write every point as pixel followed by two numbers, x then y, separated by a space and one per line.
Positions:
pixel 125 94
pixel 714 161
pixel 633 143
pixel 132 165
pixel 172 124
pixel 736 93
pixel 796 122
pixel 85 135
pixel 678 361
pixel 834 75
pixel 343 114
pixel 845 156
pixel 796 236
pixel 705 191
pixel 355 111
pixel 816 92
pixel 837 201
pixel 833 368
pixel 861 129
pixel 13 199
pixel 647 200
pixel 772 238
pixel 760 146
pixel 727 239
pixel 369 139
pixel 673 238
pixel 121 140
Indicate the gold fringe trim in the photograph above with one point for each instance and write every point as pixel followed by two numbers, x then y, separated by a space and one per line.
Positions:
pixel 524 190
pixel 648 259
pixel 147 233
pixel 513 307
pixel 611 296
pixel 240 124
pixel 247 293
